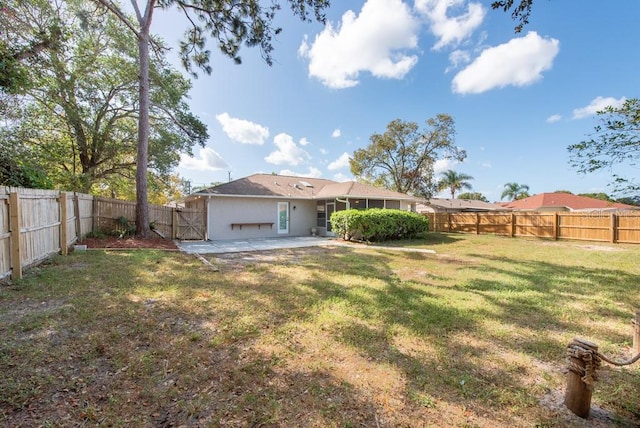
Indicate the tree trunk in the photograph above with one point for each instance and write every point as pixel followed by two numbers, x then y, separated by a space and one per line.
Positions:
pixel 142 159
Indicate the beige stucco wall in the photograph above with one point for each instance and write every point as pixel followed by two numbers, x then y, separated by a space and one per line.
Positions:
pixel 222 211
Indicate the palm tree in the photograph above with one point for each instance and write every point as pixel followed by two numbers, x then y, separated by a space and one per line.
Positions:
pixel 515 191
pixel 454 182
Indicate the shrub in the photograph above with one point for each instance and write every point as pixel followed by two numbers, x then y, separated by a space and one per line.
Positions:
pixel 124 227
pixel 378 224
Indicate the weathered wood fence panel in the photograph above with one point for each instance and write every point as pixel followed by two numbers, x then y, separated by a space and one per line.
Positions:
pixel 34 224
pixel 190 223
pixel 619 227
pixel 39 225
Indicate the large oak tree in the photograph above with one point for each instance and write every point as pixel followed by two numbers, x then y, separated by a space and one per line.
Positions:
pixel 80 107
pixel 402 158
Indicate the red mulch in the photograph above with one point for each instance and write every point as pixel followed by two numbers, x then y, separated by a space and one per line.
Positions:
pixel 129 242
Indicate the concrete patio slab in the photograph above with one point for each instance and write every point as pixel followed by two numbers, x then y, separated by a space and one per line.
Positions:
pixel 257 244
pixel 265 244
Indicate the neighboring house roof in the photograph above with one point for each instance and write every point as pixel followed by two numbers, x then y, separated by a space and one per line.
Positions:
pixel 564 200
pixel 437 204
pixel 270 185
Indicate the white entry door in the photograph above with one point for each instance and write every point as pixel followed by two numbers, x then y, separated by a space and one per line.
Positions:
pixel 283 217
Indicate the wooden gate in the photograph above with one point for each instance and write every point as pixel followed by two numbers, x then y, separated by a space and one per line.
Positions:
pixel 189 224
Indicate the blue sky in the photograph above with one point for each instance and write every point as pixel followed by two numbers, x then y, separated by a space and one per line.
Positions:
pixel 518 100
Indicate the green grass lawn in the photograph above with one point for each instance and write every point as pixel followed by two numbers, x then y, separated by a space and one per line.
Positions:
pixel 474 335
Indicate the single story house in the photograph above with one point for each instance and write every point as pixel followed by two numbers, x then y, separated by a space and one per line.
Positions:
pixel 439 205
pixel 269 205
pixel 564 202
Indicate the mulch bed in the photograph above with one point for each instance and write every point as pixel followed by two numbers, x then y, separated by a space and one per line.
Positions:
pixel 129 243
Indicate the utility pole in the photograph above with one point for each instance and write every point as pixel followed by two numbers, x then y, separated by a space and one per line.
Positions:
pixel 229 176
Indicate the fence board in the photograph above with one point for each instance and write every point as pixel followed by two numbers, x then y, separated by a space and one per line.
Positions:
pixel 5 238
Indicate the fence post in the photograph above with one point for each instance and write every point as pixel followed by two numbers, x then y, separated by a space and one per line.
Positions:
pixel 64 231
pixel 477 223
pixel 613 224
pixel 636 334
pixel 513 225
pixel 174 223
pixel 449 222
pixel 556 228
pixel 14 223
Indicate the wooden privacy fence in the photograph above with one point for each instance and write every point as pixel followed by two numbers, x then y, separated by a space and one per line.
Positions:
pixel 34 223
pixel 619 227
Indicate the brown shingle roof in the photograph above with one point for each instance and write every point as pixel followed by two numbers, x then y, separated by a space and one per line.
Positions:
pixel 269 185
pixel 565 200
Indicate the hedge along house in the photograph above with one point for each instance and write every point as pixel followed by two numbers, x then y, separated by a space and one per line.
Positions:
pixel 267 205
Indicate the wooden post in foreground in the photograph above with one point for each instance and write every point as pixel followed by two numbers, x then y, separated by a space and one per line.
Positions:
pixel 636 334
pixel 581 375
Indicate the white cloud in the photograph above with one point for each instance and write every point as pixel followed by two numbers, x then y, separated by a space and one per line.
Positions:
pixel 451 30
pixel 312 173
pixel 304 142
pixel 243 131
pixel 323 151
pixel 341 162
pixel 375 41
pixel 486 165
pixel 596 105
pixel 336 133
pixel 456 59
pixel 340 177
pixel 554 118
pixel 442 165
pixel 288 152
pixel 209 160
pixel 518 62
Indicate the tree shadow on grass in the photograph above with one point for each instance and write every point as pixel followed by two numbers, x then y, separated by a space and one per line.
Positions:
pixel 153 345
pixel 556 297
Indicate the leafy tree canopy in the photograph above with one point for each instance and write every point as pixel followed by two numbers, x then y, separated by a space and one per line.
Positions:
pixel 79 119
pixel 402 158
pixel 20 50
pixel 520 13
pixel 454 182
pixel 17 169
pixel 629 200
pixel 614 144
pixel 473 196
pixel 601 196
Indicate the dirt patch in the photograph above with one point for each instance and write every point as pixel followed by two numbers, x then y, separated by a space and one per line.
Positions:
pixel 129 243
pixel 238 261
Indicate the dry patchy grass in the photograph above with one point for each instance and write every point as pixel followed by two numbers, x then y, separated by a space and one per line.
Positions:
pixel 474 336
